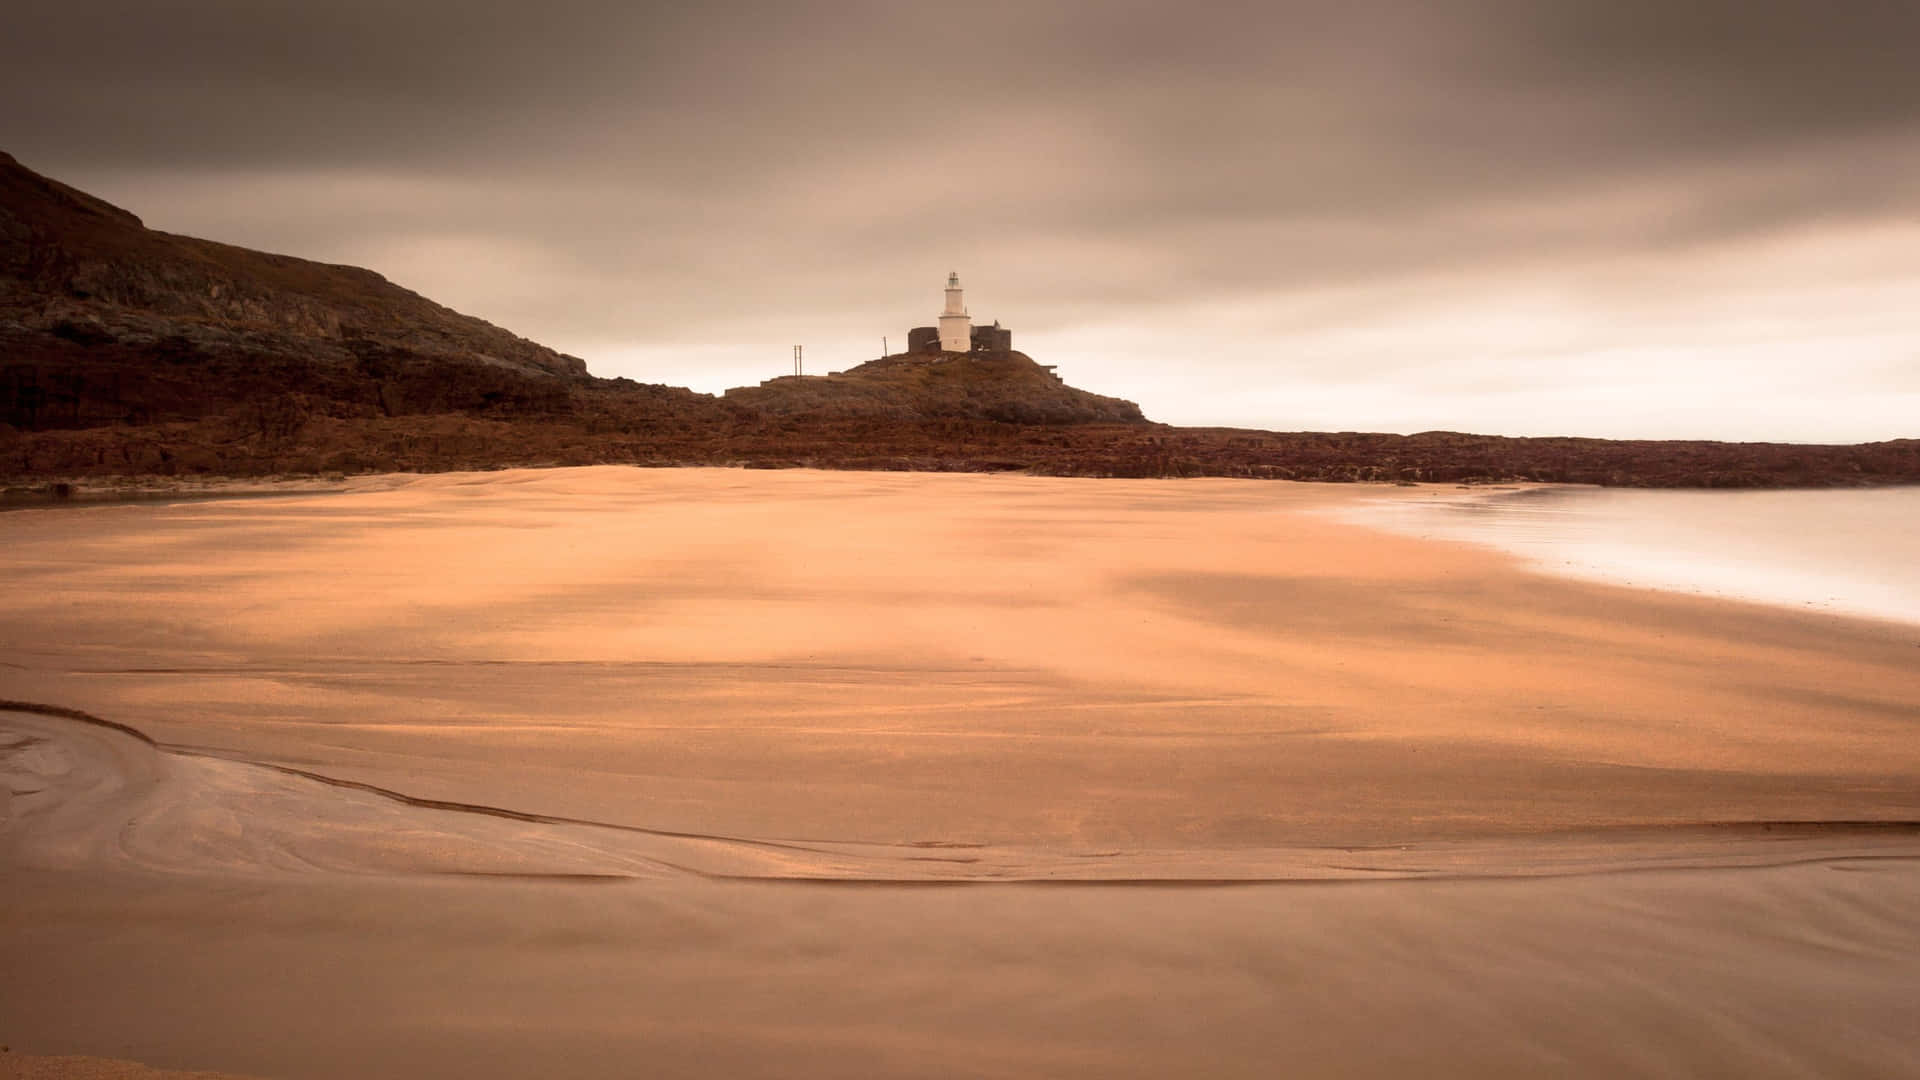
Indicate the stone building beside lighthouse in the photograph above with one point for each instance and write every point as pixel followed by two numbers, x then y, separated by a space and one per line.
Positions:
pixel 956 332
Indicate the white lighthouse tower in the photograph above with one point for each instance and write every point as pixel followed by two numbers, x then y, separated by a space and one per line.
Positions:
pixel 956 329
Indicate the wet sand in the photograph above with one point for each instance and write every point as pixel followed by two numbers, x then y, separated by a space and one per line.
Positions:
pixel 704 772
pixel 82 1067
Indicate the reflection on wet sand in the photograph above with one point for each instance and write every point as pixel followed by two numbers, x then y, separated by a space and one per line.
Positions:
pixel 590 772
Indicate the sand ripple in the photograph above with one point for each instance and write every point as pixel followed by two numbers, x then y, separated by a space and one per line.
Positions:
pixel 83 791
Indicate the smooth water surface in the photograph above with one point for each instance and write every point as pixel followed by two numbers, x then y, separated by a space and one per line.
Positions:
pixel 1851 552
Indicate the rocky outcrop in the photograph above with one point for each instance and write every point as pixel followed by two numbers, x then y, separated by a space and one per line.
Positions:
pixel 1005 386
pixel 651 425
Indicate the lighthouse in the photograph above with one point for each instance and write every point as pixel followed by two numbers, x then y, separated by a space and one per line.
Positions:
pixel 956 329
pixel 956 332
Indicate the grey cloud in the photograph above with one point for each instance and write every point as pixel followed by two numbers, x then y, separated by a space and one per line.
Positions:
pixel 687 171
pixel 731 80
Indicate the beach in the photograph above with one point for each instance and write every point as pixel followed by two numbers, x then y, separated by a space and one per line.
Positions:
pixel 605 771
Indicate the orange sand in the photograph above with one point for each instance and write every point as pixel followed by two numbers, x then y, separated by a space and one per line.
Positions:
pixel 677 680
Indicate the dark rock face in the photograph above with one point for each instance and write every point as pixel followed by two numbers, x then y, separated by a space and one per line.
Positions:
pixel 95 308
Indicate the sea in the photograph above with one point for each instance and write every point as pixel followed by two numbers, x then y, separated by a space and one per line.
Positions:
pixel 1853 551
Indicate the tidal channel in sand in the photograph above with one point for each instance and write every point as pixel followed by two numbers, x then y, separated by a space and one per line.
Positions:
pixel 601 771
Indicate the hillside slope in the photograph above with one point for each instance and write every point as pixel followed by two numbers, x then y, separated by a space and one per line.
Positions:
pixel 103 320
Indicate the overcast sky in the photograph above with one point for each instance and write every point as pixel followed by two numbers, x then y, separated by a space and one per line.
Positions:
pixel 1660 218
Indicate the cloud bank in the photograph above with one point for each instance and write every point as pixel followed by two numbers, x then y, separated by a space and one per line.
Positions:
pixel 1541 217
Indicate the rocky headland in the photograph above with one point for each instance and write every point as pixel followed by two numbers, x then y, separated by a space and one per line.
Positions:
pixel 129 352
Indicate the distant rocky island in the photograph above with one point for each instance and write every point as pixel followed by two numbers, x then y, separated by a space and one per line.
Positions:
pixel 128 352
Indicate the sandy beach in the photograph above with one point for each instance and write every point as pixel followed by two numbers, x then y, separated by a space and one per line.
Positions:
pixel 608 772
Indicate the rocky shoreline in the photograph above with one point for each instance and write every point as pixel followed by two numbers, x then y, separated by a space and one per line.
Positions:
pixel 326 447
pixel 131 353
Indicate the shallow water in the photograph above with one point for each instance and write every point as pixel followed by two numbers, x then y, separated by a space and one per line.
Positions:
pixel 1848 552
